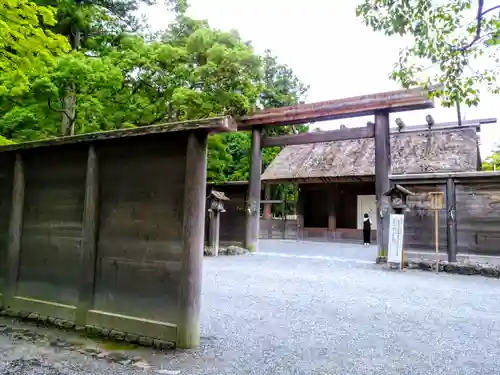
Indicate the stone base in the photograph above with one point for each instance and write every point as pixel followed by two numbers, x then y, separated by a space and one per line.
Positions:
pixel 89 330
pixel 459 268
pixel 230 250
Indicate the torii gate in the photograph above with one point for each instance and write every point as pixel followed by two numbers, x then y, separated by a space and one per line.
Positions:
pixel 380 105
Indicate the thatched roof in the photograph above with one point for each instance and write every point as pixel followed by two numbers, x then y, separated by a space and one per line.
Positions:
pixel 421 152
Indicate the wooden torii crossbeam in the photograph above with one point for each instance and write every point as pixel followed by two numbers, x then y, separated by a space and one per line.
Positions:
pixel 357 106
pixel 364 132
pixel 379 105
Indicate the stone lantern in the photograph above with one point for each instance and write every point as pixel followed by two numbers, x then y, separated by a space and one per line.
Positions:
pixel 216 206
pixel 398 196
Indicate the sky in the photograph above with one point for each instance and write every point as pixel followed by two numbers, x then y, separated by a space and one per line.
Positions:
pixel 329 49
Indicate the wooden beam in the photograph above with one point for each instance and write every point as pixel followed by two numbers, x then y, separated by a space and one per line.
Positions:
pixel 300 208
pixel 270 201
pixel 451 220
pixel 213 125
pixel 283 213
pixel 332 212
pixel 321 180
pixel 15 230
pixel 445 126
pixel 382 182
pixel 193 224
pixel 323 136
pixel 394 101
pixel 267 201
pixel 445 175
pixel 253 199
pixel 89 239
pixel 268 216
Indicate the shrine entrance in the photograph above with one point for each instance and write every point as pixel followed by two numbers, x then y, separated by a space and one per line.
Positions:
pixel 379 105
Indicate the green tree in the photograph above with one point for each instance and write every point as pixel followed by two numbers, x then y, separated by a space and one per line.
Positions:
pixel 446 35
pixel 492 162
pixel 24 44
pixel 89 26
pixel 124 79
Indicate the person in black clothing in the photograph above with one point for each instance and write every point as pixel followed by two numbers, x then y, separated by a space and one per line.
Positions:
pixel 367 230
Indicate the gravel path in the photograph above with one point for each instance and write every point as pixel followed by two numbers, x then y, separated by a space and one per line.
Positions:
pixel 300 308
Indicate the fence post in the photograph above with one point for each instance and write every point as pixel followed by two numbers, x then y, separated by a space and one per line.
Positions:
pixel 268 215
pixel 188 325
pixel 300 215
pixel 15 230
pixel 283 210
pixel 451 219
pixel 89 239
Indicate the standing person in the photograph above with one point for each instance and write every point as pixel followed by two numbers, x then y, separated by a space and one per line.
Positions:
pixel 367 230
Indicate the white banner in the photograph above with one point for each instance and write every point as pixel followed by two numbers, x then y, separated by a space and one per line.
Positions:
pixel 396 231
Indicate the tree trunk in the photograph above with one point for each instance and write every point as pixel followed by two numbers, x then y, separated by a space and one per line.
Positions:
pixel 69 110
pixel 68 113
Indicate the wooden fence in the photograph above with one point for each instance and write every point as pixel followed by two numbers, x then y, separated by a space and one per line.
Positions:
pixel 469 223
pixel 106 229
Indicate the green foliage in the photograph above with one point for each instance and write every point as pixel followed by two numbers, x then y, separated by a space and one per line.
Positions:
pixel 24 44
pixel 115 77
pixel 492 162
pixel 447 35
pixel 89 24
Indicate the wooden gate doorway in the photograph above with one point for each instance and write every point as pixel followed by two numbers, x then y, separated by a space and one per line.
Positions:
pixel 279 216
pixel 379 105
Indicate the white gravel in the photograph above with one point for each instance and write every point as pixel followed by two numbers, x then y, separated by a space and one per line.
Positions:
pixel 322 309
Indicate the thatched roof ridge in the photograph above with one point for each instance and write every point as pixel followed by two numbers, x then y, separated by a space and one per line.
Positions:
pixel 421 152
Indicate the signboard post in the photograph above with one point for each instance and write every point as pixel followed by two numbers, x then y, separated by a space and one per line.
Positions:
pixel 399 196
pixel 437 204
pixel 396 231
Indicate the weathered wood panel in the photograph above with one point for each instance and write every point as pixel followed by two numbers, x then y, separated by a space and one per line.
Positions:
pixel 420 221
pixel 6 179
pixel 277 228
pixel 52 223
pixel 315 207
pixel 478 217
pixel 140 234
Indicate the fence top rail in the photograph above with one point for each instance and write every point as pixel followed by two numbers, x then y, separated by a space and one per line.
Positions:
pixel 215 124
pixel 446 175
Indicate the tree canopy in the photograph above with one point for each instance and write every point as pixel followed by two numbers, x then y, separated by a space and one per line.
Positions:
pixel 448 36
pixel 115 75
pixel 25 44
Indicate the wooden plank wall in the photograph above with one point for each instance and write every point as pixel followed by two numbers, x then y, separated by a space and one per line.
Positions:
pixel 136 258
pixel 140 231
pixel 6 179
pixel 420 221
pixel 278 228
pixel 478 217
pixel 52 224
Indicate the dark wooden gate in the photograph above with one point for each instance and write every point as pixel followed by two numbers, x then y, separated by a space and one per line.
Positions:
pixel 278 219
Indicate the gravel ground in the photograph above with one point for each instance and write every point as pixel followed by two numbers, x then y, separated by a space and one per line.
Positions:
pixel 300 308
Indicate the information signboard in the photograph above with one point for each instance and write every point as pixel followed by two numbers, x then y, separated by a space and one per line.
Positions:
pixel 396 231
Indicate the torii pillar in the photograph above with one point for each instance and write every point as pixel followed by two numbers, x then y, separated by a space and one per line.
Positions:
pixel 252 209
pixel 382 182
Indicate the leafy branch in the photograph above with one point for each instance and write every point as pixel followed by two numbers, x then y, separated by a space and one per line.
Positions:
pixel 441 36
